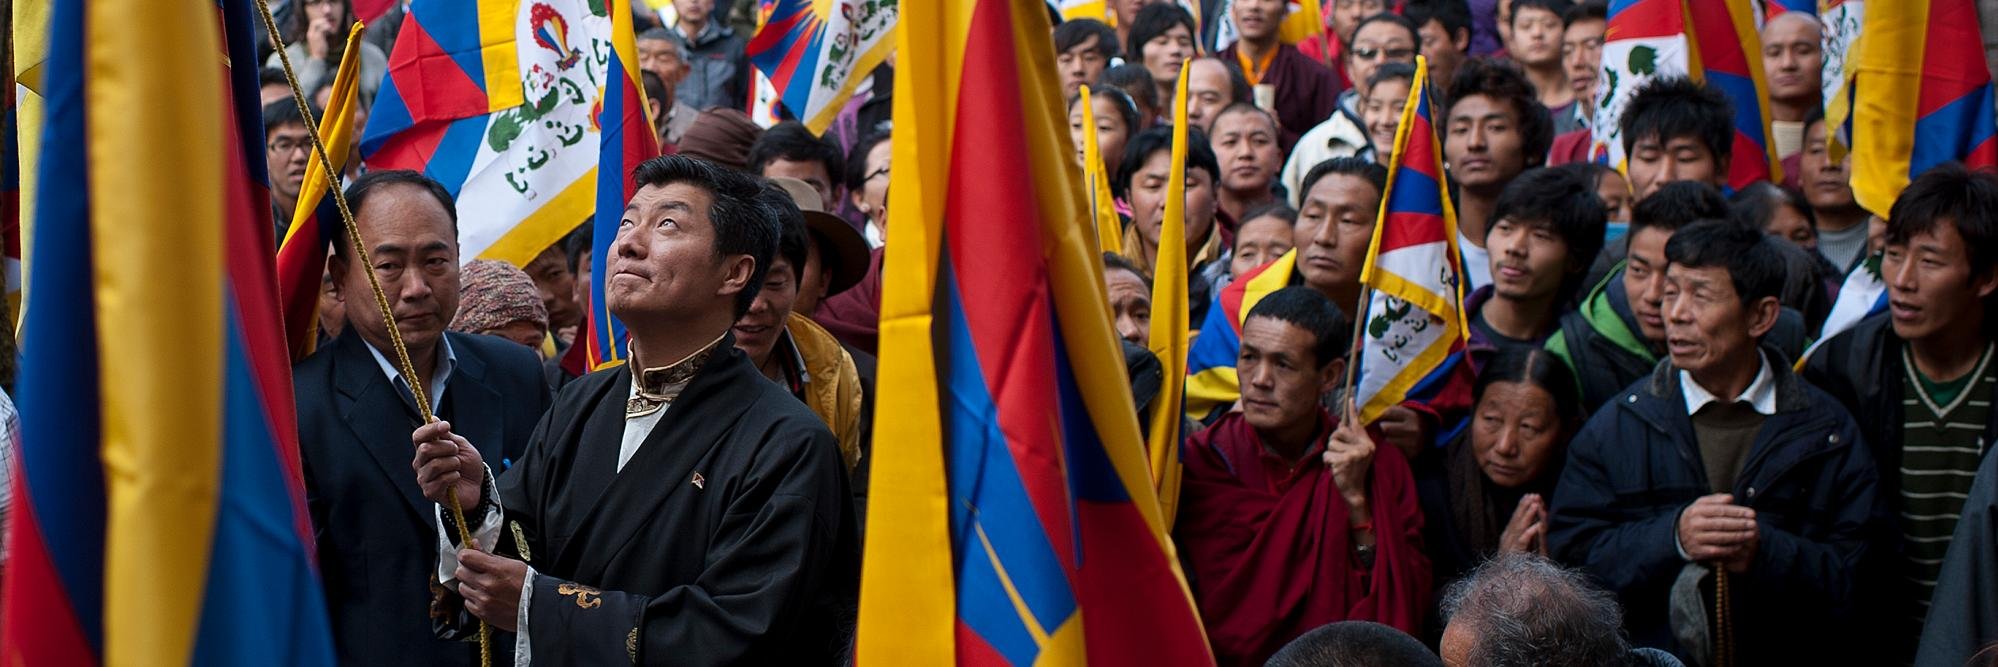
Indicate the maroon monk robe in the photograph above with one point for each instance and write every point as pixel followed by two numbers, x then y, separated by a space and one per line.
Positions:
pixel 1307 93
pixel 1269 552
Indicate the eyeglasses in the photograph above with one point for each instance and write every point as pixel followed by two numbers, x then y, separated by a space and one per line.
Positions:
pixel 1403 54
pixel 286 146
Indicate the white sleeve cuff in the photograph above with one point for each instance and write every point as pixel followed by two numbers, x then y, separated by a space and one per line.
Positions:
pixel 522 654
pixel 484 538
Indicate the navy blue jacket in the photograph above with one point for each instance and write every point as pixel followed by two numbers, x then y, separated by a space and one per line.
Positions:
pixel 1810 479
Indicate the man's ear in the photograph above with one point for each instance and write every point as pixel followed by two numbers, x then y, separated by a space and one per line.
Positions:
pixel 740 269
pixel 1762 316
pixel 1986 283
pixel 1331 375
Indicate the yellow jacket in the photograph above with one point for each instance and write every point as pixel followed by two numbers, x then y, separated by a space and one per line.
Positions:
pixel 833 392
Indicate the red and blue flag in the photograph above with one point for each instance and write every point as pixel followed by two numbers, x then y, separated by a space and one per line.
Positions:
pixel 627 141
pixel 159 513
pixel 815 53
pixel 1013 519
pixel 1918 96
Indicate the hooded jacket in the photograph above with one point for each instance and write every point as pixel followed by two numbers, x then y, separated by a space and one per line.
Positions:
pixel 717 69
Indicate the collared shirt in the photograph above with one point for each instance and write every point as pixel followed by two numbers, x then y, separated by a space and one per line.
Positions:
pixel 1760 394
pixel 447 361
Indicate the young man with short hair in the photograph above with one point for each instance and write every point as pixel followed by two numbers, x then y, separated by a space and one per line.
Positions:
pixel 1083 49
pixel 1677 130
pixel 1535 44
pixel 1493 128
pixel 1922 372
pixel 1245 144
pixel 1291 517
pixel 1547 227
pixel 1445 26
pixel 1305 92
pixel 717 58
pixel 790 150
pixel 1723 463
pixel 1581 55
pixel 287 149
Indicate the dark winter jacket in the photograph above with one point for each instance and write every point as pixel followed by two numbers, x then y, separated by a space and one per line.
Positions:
pixel 1810 479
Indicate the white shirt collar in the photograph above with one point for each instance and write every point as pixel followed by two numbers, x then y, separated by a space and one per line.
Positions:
pixel 1760 394
pixel 447 361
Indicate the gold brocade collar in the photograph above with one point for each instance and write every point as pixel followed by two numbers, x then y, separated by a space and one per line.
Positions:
pixel 654 388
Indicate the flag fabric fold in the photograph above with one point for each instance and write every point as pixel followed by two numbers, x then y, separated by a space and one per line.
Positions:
pixel 1102 205
pixel 815 53
pixel 315 221
pixel 627 141
pixel 1013 519
pixel 158 514
pixel 1169 317
pixel 1917 95
pixel 1414 319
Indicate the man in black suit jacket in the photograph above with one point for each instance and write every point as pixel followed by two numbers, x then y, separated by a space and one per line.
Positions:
pixel 376 533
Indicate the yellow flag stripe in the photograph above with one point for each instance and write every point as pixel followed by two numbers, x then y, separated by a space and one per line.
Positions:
pixel 160 339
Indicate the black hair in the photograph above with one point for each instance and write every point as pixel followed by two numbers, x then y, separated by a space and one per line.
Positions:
pixel 1536 367
pixel 742 225
pixel 1239 89
pixel 1504 82
pixel 1074 32
pixel 1565 203
pixel 1414 32
pixel 793 242
pixel 294 28
pixel 1115 262
pixel 1354 644
pixel 1755 205
pixel 285 112
pixel 373 182
pixel 791 140
pixel 1586 10
pixel 1816 114
pixel 856 161
pixel 1199 155
pixel 1126 109
pixel 1156 19
pixel 1751 258
pixel 1245 106
pixel 1310 310
pixel 1136 83
pixel 1676 205
pixel 1390 72
pixel 272 76
pixel 1374 174
pixel 1955 194
pixel 655 87
pixel 1454 15
pixel 1669 107
pixel 1591 172
pixel 577 242
pixel 1276 209
pixel 1558 7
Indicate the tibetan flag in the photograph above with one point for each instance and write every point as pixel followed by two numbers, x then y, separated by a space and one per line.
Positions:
pixel 1086 9
pixel 816 52
pixel 158 513
pixel 10 166
pixel 1415 327
pixel 1773 8
pixel 498 100
pixel 1712 41
pixel 627 141
pixel 1842 20
pixel 1727 52
pixel 1211 382
pixel 1013 519
pixel 1102 206
pixel 1169 311
pixel 1863 295
pixel 1919 96
pixel 315 222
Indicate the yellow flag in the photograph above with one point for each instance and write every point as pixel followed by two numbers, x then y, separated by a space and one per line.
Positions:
pixel 1169 317
pixel 1304 22
pixel 1109 229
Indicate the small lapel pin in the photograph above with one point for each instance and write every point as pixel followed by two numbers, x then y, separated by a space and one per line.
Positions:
pixel 700 482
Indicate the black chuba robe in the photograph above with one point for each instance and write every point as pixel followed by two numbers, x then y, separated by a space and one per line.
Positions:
pixel 728 538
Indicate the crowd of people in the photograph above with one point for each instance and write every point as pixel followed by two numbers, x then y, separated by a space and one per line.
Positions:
pixel 1652 449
